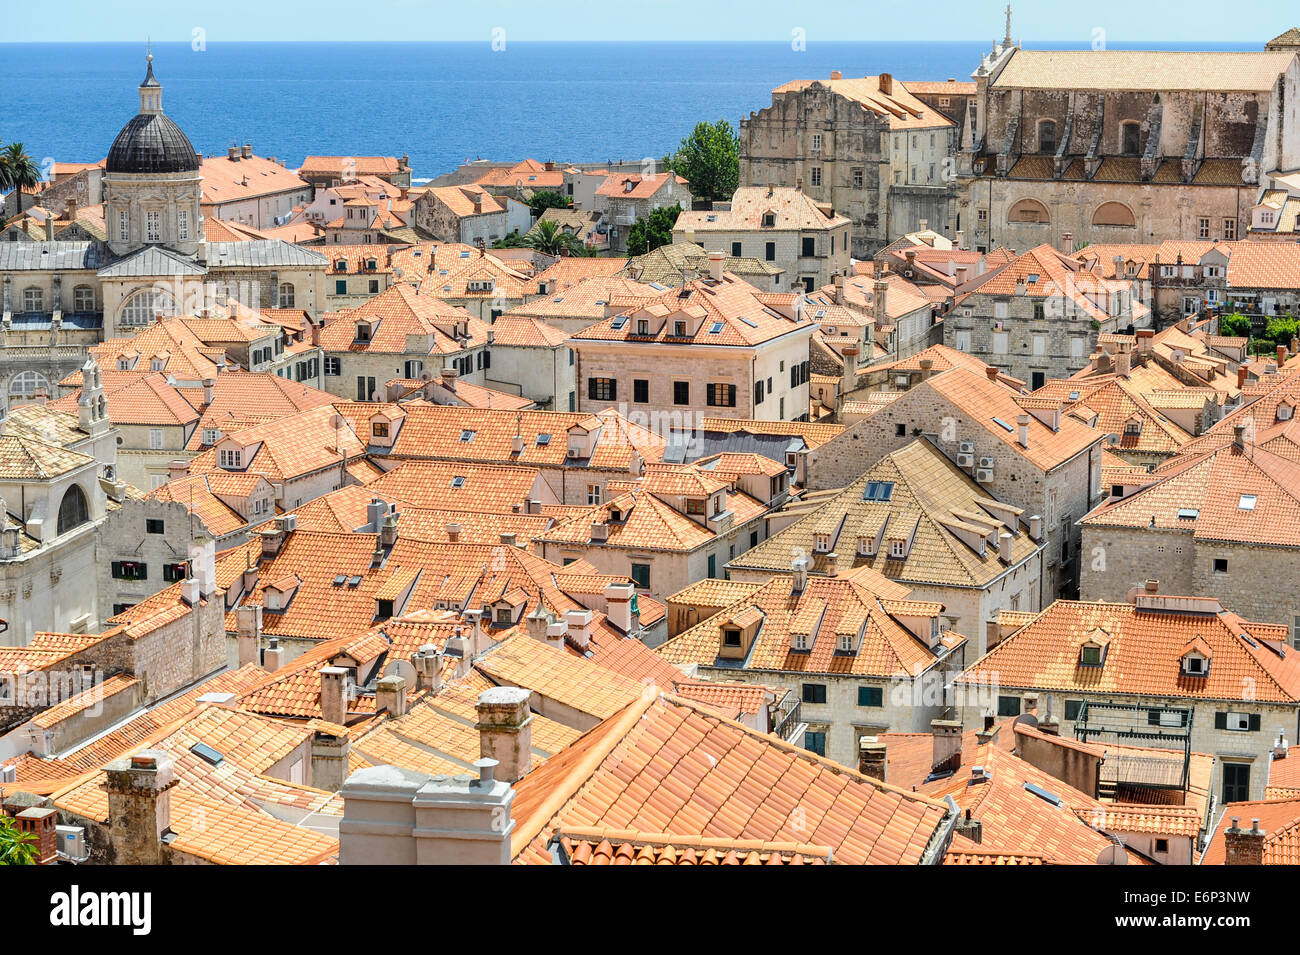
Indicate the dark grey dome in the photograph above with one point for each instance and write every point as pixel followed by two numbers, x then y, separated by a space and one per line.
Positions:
pixel 151 143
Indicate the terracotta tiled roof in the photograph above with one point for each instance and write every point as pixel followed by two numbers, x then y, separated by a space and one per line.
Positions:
pixel 569 680
pixel 1278 819
pixel 1142 656
pixel 636 186
pixel 529 174
pixel 1117 404
pixel 290 447
pixel 898 107
pixel 1129 70
pixel 957 525
pixel 740 313
pixel 22 459
pixel 792 208
pixel 352 165
pixel 229 180
pixel 663 764
pixel 397 313
pixel 826 608
pixel 603 847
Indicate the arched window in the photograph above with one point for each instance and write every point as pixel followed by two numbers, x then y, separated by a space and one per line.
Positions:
pixel 73 509
pixel 1130 138
pixel 1028 210
pixel 83 299
pixel 142 307
pixel 27 385
pixel 286 295
pixel 1047 136
pixel 33 299
pixel 1113 213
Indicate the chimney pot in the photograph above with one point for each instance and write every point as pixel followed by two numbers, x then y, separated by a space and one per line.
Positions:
pixel 505 730
pixel 872 760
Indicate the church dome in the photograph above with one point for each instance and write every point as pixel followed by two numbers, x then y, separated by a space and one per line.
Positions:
pixel 151 142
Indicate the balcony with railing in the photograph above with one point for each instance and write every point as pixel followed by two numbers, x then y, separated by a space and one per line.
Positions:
pixel 786 719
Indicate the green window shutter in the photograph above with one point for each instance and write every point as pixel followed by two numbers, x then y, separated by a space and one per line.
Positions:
pixel 1254 722
pixel 1220 721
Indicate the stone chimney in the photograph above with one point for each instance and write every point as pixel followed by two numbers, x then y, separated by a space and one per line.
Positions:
pixel 970 827
pixel 1004 547
pixel 799 568
pixel 334 695
pixel 505 730
pixel 248 623
pixel 927 368
pixel 1242 374
pixel 961 275
pixel 329 760
pixel 947 744
pixel 453 532
pixel 1281 355
pixel 1243 846
pixel 580 627
pixel 880 302
pixel 849 371
pixel 1123 364
pixel 871 757
pixel 390 695
pixel 1022 430
pixel 838 281
pixel 273 656
pixel 1067 243
pixel 139 806
pixel 427 662
pixel 618 606
pixel 992 372
pixel 247 151
pixel 1239 436
pixel 832 565
pixel 886 84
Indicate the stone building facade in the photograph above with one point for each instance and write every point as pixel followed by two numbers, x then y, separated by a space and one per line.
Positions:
pixel 1121 146
pixel 864 146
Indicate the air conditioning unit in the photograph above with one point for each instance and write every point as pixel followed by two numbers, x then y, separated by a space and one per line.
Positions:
pixel 986 462
pixel 573 453
pixel 72 842
pixel 965 460
pixel 966 447
pixel 984 475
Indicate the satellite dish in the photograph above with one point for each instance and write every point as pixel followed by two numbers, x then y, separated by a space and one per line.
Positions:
pixel 1113 855
pixel 403 669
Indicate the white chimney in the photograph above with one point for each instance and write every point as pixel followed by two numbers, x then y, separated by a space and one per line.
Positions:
pixel 1022 430
pixel 618 605
pixel 248 623
pixel 273 657
pixel 390 695
pixel 505 730
pixel 580 627
pixel 716 260
pixel 1004 547
pixel 799 567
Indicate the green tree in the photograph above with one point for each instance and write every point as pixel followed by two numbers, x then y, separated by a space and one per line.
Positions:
pixel 1235 325
pixel 16 847
pixel 709 159
pixel 654 230
pixel 544 200
pixel 1281 329
pixel 513 241
pixel 547 237
pixel 18 171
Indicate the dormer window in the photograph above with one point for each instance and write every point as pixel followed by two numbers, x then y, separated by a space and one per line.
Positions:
pixel 798 641
pixel 642 326
pixel 730 637
pixel 379 429
pixel 363 331
pixel 898 548
pixel 1133 426
pixel 341 265
pixel 1285 410
pixel 822 543
pixel 694 505
pixel 844 643
pixel 1090 655
pixel 679 329
pixel 769 220
pixel 1194 665
pixel 232 457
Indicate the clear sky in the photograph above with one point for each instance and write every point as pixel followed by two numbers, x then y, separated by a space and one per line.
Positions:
pixel 1124 21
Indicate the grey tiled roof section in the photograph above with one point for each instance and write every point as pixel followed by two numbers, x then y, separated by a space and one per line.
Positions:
pixel 262 252
pixel 52 256
pixel 152 261
pixel 151 143
pixel 684 448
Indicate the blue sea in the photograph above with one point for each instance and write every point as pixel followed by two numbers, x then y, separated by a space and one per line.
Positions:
pixel 439 103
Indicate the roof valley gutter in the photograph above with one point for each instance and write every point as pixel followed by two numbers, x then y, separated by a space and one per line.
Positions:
pixel 942 837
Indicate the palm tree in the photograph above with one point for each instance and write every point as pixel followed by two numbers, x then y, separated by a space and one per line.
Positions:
pixel 18 171
pixel 16 847
pixel 547 237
